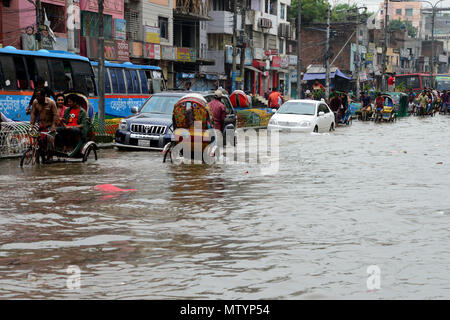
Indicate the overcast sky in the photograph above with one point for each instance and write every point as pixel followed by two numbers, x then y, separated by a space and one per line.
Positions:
pixel 374 5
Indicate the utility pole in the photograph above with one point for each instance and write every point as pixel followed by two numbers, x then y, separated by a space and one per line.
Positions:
pixel 327 56
pixel 383 78
pixel 299 51
pixel 357 57
pixel 101 70
pixel 432 48
pixel 233 72
pixel 39 17
pixel 243 48
pixel 70 28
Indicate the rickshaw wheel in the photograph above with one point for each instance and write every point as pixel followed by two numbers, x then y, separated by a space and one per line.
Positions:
pixel 88 152
pixel 30 157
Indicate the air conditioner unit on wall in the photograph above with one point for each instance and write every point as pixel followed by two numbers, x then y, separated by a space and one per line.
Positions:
pixel 265 23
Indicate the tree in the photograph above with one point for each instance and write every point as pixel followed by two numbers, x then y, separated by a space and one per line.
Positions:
pixel 316 11
pixel 312 10
pixel 398 25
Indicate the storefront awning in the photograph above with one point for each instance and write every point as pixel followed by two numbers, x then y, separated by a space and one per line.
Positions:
pixel 253 69
pixel 321 76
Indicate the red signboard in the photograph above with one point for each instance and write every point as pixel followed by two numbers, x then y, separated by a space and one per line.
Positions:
pixel 123 51
pixel 276 62
pixel 259 64
pixel 271 52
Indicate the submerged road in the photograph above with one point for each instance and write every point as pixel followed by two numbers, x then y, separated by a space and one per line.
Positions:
pixel 365 195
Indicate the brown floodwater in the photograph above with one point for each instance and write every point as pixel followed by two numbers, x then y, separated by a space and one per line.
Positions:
pixel 369 194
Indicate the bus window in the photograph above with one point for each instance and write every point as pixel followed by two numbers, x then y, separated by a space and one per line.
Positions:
pixel 115 87
pixel 427 82
pixel 9 73
pixel 120 80
pixel 144 86
pixel 59 82
pixel 135 80
pixel 21 73
pixel 129 81
pixel 107 83
pixel 149 81
pixel 42 69
pixel 83 77
pixel 410 82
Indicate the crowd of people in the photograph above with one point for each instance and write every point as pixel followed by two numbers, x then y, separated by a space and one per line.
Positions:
pixel 428 101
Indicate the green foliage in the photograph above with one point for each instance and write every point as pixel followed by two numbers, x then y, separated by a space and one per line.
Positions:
pixel 318 94
pixel 316 11
pixel 397 25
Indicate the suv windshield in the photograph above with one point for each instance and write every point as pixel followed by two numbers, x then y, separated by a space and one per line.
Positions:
pixel 160 104
pixel 306 108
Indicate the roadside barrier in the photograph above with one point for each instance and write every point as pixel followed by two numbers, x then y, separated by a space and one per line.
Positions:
pixel 14 138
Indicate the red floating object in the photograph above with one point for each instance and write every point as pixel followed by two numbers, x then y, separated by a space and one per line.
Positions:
pixel 239 99
pixel 111 188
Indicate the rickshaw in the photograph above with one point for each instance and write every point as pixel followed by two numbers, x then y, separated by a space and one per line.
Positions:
pixel 43 146
pixel 193 131
pixel 388 112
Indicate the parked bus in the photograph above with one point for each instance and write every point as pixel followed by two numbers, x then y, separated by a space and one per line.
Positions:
pixel 414 81
pixel 443 82
pixel 19 70
pixel 128 85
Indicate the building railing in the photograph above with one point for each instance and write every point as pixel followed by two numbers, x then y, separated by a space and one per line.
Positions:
pixel 196 7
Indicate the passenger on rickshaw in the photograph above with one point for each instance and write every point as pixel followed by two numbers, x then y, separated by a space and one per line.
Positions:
pixel 44 110
pixel 61 107
pixel 366 108
pixel 75 124
pixel 379 105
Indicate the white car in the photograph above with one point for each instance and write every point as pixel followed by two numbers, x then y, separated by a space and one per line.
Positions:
pixel 303 115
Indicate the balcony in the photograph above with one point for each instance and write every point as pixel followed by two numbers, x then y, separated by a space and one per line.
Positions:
pixel 222 22
pixel 191 10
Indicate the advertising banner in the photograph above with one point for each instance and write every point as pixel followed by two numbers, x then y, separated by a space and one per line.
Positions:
pixel 152 34
pixel 120 29
pixel 123 50
pixel 152 51
pixel 186 54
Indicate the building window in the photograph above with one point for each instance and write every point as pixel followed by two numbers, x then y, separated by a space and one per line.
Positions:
pixel 281 49
pixel 398 11
pixel 164 27
pixel 282 11
pixel 409 12
pixel 89 25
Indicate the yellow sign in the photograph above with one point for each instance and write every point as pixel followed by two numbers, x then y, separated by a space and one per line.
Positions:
pixel 152 34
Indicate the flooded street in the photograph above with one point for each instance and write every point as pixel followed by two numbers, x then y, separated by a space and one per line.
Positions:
pixel 369 194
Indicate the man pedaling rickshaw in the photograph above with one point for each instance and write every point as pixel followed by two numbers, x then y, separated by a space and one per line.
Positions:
pixel 45 113
pixel 75 123
pixel 379 106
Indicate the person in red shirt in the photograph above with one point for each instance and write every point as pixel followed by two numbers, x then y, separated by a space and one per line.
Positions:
pixel 275 99
pixel 218 111
pixel 391 83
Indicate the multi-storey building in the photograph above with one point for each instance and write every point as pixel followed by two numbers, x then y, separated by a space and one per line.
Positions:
pixel 407 10
pixel 16 16
pixel 149 29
